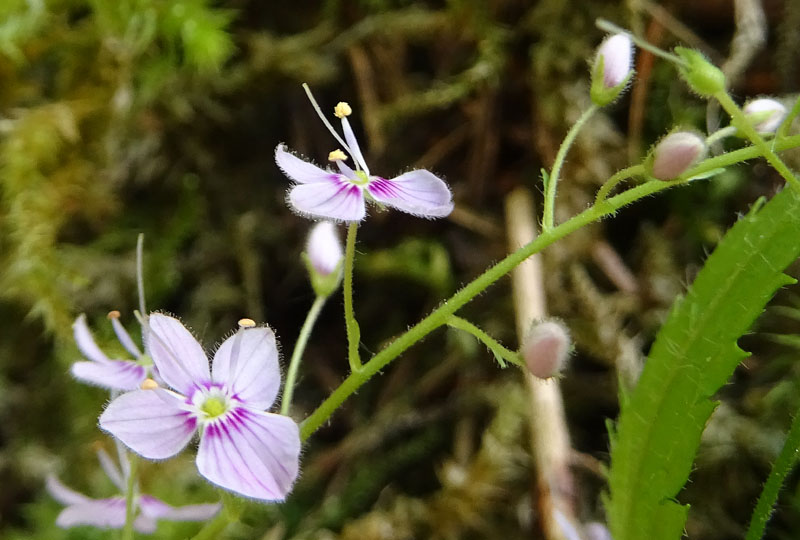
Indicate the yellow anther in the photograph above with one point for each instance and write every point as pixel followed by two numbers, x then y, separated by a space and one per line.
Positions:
pixel 148 384
pixel 342 109
pixel 246 323
pixel 337 155
pixel 113 314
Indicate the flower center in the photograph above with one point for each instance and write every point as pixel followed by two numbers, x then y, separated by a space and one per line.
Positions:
pixel 213 407
pixel 361 178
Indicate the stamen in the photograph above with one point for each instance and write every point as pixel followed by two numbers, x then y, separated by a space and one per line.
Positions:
pixel 342 109
pixel 148 384
pixel 325 120
pixel 337 155
pixel 246 323
pixel 114 314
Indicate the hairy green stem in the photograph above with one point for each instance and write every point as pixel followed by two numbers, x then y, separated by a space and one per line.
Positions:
pixel 740 121
pixel 780 469
pixel 618 177
pixel 353 331
pixel 297 353
pixel 495 346
pixel 140 273
pixel 441 315
pixel 787 122
pixel 130 497
pixel 232 509
pixel 721 134
pixel 552 182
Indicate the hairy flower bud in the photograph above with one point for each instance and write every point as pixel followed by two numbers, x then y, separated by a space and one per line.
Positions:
pixel 675 154
pixel 546 348
pixel 612 69
pixel 701 75
pixel 765 114
pixel 323 258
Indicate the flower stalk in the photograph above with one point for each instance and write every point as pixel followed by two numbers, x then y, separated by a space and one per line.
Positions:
pixel 130 495
pixel 297 353
pixel 353 330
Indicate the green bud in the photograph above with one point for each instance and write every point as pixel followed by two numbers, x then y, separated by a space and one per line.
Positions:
pixel 701 75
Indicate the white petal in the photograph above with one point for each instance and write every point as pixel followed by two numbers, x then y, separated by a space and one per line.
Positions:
pixel 111 470
pixel 156 509
pixel 62 493
pixel 251 453
pixel 153 423
pixel 299 170
pixel 419 192
pixel 101 513
pixel 125 338
pixel 180 359
pixel 114 374
pixel 339 199
pixel 352 142
pixel 85 341
pixel 247 362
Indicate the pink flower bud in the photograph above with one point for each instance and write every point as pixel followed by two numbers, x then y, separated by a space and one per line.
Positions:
pixel 617 54
pixel 324 249
pixel 676 153
pixel 765 114
pixel 546 348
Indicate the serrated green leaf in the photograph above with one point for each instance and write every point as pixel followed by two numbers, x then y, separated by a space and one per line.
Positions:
pixel 658 431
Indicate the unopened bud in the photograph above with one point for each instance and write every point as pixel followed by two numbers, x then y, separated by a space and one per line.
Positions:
pixel 342 109
pixel 675 154
pixel 323 257
pixel 701 75
pixel 546 348
pixel 765 114
pixel 337 155
pixel 612 68
pixel 148 384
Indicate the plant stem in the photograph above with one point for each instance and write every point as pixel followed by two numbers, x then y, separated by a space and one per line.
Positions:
pixel 297 353
pixel 439 316
pixel 780 469
pixel 618 177
pixel 462 324
pixel 140 273
pixel 550 190
pixel 353 331
pixel 787 122
pixel 738 119
pixel 721 134
pixel 231 512
pixel 130 497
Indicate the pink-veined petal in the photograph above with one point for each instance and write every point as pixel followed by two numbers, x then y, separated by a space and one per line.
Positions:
pixel 252 453
pixel 340 200
pixel 419 192
pixel 114 374
pixel 157 509
pixel 300 170
pixel 62 493
pixel 247 362
pixel 85 341
pixel 100 513
pixel 352 142
pixel 153 423
pixel 180 359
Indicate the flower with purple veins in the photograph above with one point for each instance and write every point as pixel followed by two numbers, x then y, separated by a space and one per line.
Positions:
pixel 242 448
pixel 109 513
pixel 342 195
pixel 100 370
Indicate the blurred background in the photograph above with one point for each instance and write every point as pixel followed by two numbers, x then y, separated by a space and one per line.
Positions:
pixel 161 117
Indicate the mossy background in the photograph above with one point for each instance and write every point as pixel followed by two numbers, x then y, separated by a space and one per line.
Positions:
pixel 161 117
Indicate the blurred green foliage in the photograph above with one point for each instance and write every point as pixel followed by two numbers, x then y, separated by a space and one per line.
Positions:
pixel 161 116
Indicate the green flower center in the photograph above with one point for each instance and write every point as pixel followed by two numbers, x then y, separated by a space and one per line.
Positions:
pixel 214 407
pixel 363 179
